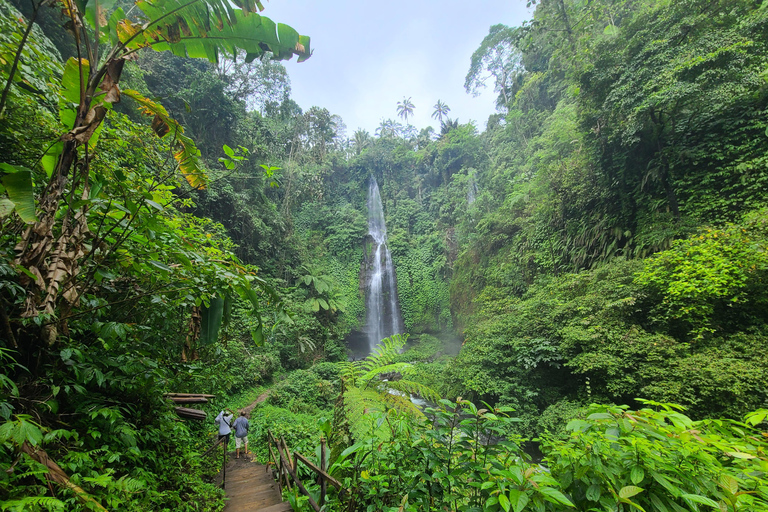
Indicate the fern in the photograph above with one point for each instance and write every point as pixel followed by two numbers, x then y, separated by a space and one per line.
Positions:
pixel 33 503
pixel 369 402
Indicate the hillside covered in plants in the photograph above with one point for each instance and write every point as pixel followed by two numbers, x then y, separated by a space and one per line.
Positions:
pixel 582 281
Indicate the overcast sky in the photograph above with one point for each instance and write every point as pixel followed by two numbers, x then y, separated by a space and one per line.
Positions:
pixel 369 55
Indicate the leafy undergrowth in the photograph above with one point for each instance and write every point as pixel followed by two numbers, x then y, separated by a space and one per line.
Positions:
pixel 651 459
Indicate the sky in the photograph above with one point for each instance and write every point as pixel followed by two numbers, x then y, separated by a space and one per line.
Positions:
pixel 369 55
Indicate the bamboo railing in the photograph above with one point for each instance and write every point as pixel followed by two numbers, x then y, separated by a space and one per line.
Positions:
pixel 286 467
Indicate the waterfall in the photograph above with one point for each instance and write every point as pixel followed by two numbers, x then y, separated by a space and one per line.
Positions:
pixel 382 312
pixel 471 189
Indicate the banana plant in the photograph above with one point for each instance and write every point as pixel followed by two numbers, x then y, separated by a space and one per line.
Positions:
pixel 51 249
pixel 16 182
pixel 324 297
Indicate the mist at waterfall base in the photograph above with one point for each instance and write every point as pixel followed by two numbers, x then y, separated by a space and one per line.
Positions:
pixel 378 282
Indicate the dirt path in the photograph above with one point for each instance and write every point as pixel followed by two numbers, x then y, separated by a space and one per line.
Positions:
pixel 256 402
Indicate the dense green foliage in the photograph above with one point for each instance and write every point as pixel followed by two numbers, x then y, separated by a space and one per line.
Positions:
pixel 603 240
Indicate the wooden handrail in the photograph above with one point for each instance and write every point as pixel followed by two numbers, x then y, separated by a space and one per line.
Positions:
pixel 301 487
pixel 273 458
pixel 223 460
pixel 322 474
pixel 209 450
pixel 287 468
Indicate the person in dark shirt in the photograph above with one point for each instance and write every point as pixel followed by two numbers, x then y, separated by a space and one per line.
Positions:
pixel 241 427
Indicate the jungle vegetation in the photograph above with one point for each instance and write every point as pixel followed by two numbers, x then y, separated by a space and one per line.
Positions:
pixel 172 221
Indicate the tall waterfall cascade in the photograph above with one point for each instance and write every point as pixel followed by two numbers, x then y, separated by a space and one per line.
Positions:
pixel 382 311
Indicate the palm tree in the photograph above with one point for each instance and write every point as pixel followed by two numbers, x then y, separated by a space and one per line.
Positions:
pixel 362 140
pixel 441 109
pixel 405 108
pixel 448 126
pixel 388 129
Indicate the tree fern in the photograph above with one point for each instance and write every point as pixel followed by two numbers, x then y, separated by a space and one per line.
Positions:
pixel 369 401
pixel 33 503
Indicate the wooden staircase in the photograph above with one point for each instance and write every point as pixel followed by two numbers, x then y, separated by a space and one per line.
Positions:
pixel 251 488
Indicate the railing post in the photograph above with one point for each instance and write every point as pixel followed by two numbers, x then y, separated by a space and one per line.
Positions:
pixel 323 484
pixel 224 465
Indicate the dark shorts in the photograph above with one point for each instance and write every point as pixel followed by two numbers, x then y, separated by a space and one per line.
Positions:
pixel 224 435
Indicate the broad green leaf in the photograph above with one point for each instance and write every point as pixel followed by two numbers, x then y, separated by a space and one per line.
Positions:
pixel 257 334
pixel 160 265
pixel 729 483
pixel 18 185
pixel 211 322
pixel 740 455
pixel 578 425
pixel 637 475
pixel 697 498
pixel 504 502
pixel 756 417
pixel 664 481
pixel 518 499
pixel 658 504
pixel 594 492
pixel 552 494
pixel 51 158
pixel 6 207
pixel 629 491
pixel 212 29
pixel 70 83
pixel 5 431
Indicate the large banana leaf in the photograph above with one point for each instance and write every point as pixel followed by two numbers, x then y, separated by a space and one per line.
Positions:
pixel 209 28
pixel 21 198
pixel 211 321
pixel 186 152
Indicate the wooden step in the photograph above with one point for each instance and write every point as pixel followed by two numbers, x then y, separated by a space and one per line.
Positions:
pixel 280 507
pixel 250 488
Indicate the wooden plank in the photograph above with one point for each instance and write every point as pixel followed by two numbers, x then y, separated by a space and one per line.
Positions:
pixel 188 400
pixel 189 394
pixel 194 414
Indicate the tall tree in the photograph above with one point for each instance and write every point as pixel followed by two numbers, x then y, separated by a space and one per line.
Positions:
pixel 362 140
pixel 388 128
pixel 499 58
pixel 441 110
pixel 405 108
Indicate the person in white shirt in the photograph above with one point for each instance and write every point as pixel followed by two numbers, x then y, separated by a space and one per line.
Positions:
pixel 224 421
